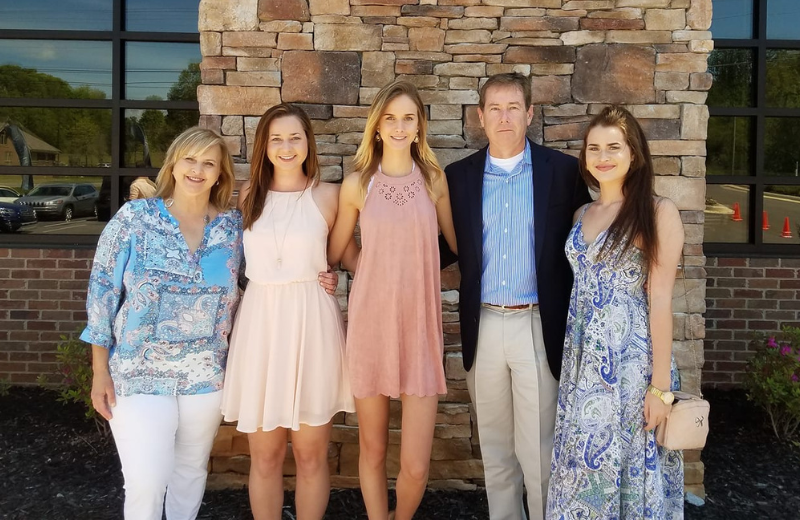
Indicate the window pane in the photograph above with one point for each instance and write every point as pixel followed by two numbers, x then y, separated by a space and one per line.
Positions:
pixel 63 205
pixel 728 144
pixel 162 71
pixel 77 15
pixel 732 19
pixel 56 136
pixel 55 69
pixel 782 215
pixel 781 150
pixel 783 78
pixel 148 134
pixel 143 187
pixel 161 15
pixel 732 70
pixel 727 213
pixel 782 18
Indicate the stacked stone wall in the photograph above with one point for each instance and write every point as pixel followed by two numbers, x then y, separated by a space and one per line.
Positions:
pixel 332 56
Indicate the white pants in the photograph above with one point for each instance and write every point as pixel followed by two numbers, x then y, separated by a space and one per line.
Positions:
pixel 515 396
pixel 164 443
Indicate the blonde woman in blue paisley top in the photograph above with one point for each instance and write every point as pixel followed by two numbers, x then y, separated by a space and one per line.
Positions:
pixel 161 300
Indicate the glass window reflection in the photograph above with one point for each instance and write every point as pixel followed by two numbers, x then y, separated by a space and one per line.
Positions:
pixel 729 142
pixel 55 69
pixel 55 136
pixel 148 134
pixel 732 19
pixel 162 71
pixel 161 15
pixel 780 221
pixel 781 150
pixel 75 15
pixel 783 78
pixel 782 16
pixel 732 70
pixel 727 213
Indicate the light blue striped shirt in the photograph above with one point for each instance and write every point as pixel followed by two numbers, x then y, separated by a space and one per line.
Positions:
pixel 509 265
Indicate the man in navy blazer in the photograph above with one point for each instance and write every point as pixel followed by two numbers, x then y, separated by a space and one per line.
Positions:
pixel 513 204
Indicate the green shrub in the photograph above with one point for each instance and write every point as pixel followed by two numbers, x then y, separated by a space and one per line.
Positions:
pixel 5 387
pixel 74 358
pixel 773 381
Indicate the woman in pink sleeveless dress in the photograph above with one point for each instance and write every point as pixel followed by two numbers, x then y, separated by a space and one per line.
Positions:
pixel 394 338
pixel 286 370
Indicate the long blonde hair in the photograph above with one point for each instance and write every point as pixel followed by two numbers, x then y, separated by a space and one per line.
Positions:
pixel 193 142
pixel 370 151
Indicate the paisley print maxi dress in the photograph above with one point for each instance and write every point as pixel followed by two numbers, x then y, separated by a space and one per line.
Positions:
pixel 605 465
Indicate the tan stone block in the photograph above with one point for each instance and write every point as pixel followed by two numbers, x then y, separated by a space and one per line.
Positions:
pixel 447 141
pixel 572 5
pixel 451 449
pixel 655 111
pixel 625 13
pixel 248 52
pixel 550 90
pixel 210 43
pixel 437 11
pixel 533 55
pixel 503 68
pixel 685 36
pixel 567 132
pixel 283 10
pixel 614 74
pixel 447 156
pixel 212 77
pixel 395 31
pixel 693 166
pixel 236 100
pixel 281 26
pixel 665 19
pixel 220 481
pixel 439 112
pixel 221 15
pixel 296 41
pixel 464 83
pixel 377 69
pixel 322 7
pixel 681 62
pixel 682 96
pixel 375 11
pixel 453 413
pixel 688 354
pixel 467 24
pixel 643 3
pixel 667 165
pixel 460 69
pixel 392 47
pixel 335 19
pixel 687 193
pixel 418 21
pixel 425 39
pixel 338 125
pixel 672 80
pixel 249 39
pixel 577 38
pixel 552 69
pixel 332 173
pixel 472 468
pixel 476 48
pixel 699 15
pixel 321 77
pixel 701 46
pixel 547 4
pixel 700 80
pixel 217 62
pixel 454 367
pixel 694 121
pixel 483 11
pixel 424 80
pixel 611 24
pixel 345 37
pixel 257 64
pixel 469 36
pixel 223 441
pixel 678 148
pixel 546 23
pixel 232 125
pixel 639 37
pixel 413 67
pixel 254 79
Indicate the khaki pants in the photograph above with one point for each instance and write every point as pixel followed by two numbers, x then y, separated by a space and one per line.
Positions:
pixel 515 397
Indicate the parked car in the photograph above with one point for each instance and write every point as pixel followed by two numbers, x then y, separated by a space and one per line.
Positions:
pixel 63 201
pixel 15 216
pixel 8 194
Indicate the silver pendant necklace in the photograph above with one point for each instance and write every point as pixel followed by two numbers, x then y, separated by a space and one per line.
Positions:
pixel 279 250
pixel 170 201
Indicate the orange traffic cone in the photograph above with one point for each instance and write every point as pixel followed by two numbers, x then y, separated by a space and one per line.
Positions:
pixel 737 214
pixel 787 231
pixel 764 221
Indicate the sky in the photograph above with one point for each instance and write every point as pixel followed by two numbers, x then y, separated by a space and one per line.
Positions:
pixel 734 19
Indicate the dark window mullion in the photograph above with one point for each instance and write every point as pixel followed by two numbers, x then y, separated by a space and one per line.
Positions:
pixel 161 37
pixel 757 194
pixel 117 85
pixel 34 34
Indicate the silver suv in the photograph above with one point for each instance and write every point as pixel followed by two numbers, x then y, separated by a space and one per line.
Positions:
pixel 63 201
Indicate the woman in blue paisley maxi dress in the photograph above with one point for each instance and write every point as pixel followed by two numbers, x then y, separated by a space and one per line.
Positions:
pixel 606 464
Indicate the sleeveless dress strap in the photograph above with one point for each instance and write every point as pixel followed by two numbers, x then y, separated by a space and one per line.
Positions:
pixel 580 217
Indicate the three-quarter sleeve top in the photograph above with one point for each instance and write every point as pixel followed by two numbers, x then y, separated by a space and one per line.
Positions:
pixel 164 313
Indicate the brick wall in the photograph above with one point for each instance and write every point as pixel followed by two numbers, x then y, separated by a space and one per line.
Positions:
pixel 745 296
pixel 42 296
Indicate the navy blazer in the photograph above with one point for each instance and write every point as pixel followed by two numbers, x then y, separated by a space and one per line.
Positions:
pixel 558 191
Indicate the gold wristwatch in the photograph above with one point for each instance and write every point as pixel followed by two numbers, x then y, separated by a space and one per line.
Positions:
pixel 666 397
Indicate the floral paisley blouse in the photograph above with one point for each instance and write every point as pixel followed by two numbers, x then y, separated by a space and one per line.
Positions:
pixel 164 312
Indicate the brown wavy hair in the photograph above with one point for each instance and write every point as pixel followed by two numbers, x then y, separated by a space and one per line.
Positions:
pixel 262 170
pixel 192 142
pixel 636 220
pixel 370 151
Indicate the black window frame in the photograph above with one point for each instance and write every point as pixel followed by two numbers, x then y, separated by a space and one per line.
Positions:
pixel 118 37
pixel 759 113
